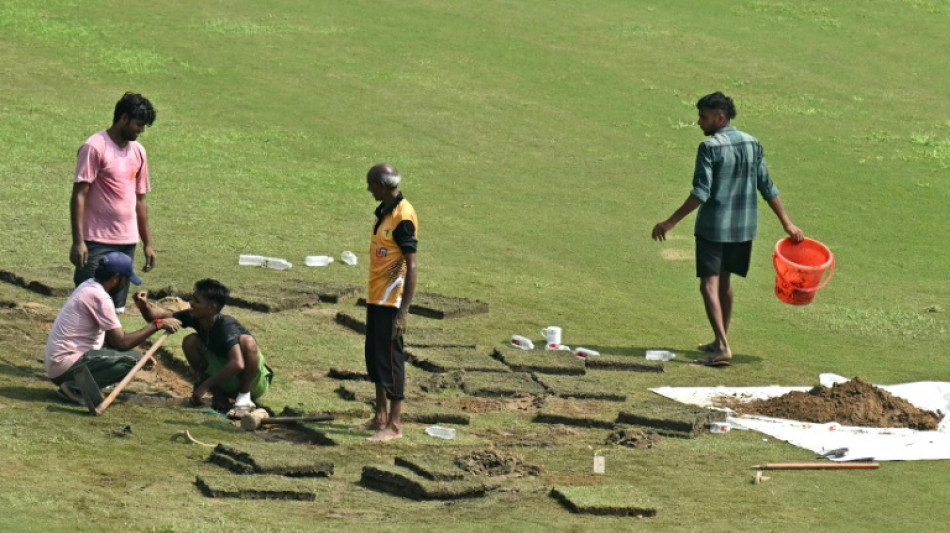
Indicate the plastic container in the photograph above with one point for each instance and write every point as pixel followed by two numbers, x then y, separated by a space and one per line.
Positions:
pixel 251 260
pixel 660 355
pixel 317 260
pixel 522 342
pixel 558 347
pixel 719 427
pixel 440 432
pixel 276 263
pixel 600 464
pixel 799 269
pixel 349 258
pixel 584 353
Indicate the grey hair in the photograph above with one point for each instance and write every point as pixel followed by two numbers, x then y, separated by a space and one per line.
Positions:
pixel 385 175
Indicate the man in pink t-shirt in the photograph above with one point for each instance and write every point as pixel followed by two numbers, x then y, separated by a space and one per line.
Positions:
pixel 108 212
pixel 87 323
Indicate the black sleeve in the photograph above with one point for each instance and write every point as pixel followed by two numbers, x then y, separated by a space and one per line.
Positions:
pixel 185 318
pixel 405 237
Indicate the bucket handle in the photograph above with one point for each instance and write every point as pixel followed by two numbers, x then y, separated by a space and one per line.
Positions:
pixel 831 274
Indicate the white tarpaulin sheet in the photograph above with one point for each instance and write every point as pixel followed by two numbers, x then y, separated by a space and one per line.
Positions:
pixel 880 444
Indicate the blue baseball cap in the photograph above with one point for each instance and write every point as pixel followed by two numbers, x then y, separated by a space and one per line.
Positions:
pixel 119 263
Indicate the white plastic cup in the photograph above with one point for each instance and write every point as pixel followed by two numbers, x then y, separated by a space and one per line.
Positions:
pixel 251 260
pixel 660 355
pixel 584 353
pixel 317 260
pixel 522 342
pixel 349 258
pixel 719 427
pixel 552 336
pixel 440 432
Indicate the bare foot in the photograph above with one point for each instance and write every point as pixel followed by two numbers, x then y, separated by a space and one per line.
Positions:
pixel 709 347
pixel 373 424
pixel 388 433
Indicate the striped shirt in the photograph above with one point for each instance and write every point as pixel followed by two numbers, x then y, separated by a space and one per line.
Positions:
pixel 730 167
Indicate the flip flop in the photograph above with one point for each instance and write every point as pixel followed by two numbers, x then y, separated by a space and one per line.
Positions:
pixel 707 362
pixel 240 411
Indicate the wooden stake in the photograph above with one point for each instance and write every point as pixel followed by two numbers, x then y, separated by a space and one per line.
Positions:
pixel 816 466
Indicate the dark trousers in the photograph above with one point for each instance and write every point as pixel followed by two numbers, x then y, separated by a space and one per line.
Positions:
pixel 385 359
pixel 106 366
pixel 96 251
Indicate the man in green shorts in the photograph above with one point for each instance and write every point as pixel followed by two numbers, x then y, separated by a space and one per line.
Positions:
pixel 87 332
pixel 222 352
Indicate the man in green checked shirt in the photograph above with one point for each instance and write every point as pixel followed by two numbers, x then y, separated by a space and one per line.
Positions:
pixel 730 168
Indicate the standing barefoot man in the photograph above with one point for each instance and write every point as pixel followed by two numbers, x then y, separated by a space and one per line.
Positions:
pixel 392 282
pixel 730 166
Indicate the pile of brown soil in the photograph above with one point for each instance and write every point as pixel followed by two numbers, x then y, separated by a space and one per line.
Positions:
pixel 494 463
pixel 854 403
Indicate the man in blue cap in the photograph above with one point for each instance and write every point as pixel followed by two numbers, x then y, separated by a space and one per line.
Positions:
pixel 87 331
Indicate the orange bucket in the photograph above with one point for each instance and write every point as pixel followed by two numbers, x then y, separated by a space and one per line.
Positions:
pixel 799 269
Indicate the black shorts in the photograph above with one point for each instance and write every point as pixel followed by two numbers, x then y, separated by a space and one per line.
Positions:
pixel 715 258
pixel 385 358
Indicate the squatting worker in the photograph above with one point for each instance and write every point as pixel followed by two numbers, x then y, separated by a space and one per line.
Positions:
pixel 392 282
pixel 87 331
pixel 108 212
pixel 222 352
pixel 730 167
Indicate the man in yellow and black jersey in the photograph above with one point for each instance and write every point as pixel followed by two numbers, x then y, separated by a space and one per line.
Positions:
pixel 392 282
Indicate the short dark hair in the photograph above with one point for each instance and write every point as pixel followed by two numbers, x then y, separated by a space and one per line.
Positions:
pixel 135 106
pixel 717 102
pixel 213 291
pixel 384 174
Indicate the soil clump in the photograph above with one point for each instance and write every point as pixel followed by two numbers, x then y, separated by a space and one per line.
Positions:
pixel 495 463
pixel 854 403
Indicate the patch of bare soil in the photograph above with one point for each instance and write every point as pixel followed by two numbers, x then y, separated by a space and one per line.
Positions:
pixel 495 463
pixel 854 403
pixel 487 405
pixel 634 438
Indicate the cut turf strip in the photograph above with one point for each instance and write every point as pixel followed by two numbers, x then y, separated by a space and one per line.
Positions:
pixel 578 413
pixel 272 458
pixel 670 420
pixel 440 307
pixel 39 287
pixel 500 384
pixel 623 363
pixel 604 500
pixel 555 362
pixel 407 484
pixel 260 487
pixel 351 322
pixel 441 360
pixel 581 388
pixel 434 468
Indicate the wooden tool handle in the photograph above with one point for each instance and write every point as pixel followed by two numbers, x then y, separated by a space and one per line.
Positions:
pixel 816 466
pixel 101 408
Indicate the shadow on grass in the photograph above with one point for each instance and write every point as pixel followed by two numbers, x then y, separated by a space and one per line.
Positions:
pixel 682 356
pixel 21 371
pixel 32 394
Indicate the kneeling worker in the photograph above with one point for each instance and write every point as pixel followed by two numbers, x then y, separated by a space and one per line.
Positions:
pixel 88 333
pixel 222 352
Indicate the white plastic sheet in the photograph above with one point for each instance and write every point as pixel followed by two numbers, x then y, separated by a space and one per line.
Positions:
pixel 880 444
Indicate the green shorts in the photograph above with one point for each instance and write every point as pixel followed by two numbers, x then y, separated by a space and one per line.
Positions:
pixel 231 387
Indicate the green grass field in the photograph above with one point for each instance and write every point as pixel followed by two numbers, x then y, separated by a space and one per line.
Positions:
pixel 539 143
